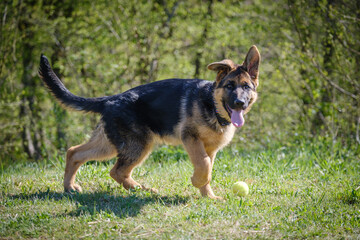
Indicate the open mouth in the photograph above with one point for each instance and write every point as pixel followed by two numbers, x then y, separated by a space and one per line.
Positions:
pixel 237 116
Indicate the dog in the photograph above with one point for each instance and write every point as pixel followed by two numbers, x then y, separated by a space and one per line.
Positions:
pixel 198 114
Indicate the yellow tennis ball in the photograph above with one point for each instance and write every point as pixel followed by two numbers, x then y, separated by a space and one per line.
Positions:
pixel 240 188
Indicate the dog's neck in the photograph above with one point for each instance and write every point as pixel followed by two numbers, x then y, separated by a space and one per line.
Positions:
pixel 222 121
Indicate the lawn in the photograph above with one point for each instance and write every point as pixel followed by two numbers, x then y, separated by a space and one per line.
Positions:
pixel 303 190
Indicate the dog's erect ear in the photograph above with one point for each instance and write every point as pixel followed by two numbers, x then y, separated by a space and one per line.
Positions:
pixel 252 62
pixel 223 68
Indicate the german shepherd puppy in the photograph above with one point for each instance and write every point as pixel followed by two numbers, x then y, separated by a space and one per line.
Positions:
pixel 200 115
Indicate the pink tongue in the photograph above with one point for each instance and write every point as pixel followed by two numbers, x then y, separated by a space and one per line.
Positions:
pixel 237 118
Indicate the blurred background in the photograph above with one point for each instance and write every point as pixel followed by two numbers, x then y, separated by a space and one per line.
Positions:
pixel 309 75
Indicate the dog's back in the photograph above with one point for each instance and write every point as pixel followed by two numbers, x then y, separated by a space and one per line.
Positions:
pixel 159 107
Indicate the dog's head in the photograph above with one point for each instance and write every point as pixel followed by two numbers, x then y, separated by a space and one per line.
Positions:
pixel 235 87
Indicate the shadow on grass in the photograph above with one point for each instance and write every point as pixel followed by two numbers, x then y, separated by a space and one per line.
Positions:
pixel 122 206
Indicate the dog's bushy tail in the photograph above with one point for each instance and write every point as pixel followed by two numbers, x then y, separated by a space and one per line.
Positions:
pixel 63 95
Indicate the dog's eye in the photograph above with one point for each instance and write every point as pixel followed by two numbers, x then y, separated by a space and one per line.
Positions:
pixel 230 86
pixel 246 87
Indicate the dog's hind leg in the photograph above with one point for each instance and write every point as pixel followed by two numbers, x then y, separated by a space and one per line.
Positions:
pixel 132 154
pixel 97 148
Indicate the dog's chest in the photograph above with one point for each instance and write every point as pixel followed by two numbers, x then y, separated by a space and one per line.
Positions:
pixel 216 139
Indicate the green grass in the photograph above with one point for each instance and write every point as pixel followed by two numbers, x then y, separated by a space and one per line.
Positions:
pixel 302 191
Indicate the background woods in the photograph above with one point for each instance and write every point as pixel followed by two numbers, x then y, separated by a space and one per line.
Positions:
pixel 309 78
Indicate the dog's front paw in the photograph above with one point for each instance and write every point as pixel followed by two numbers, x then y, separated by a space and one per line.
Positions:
pixel 211 195
pixel 206 191
pixel 216 198
pixel 73 188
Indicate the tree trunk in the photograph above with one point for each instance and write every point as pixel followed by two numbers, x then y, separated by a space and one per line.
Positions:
pixel 319 120
pixel 203 38
pixel 357 76
pixel 31 137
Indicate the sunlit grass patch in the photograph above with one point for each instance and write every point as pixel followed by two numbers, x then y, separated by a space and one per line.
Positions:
pixel 309 190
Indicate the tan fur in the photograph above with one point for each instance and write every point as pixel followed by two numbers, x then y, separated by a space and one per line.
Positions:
pixel 213 139
pixel 245 78
pixel 200 160
pixel 206 190
pixel 122 174
pixel 218 94
pixel 202 155
pixel 97 148
pixel 202 150
pixel 169 139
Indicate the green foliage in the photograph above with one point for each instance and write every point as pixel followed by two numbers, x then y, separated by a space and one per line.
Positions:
pixel 309 79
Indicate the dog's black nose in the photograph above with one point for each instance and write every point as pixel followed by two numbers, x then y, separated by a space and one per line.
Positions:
pixel 239 103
